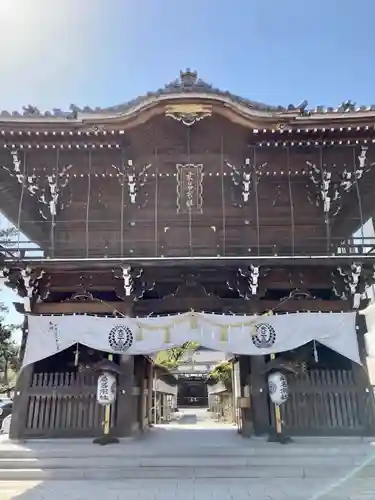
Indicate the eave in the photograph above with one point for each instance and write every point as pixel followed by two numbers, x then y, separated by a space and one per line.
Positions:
pixel 188 88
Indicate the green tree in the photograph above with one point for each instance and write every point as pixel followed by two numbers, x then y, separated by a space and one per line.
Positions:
pixel 223 373
pixel 8 236
pixel 172 358
pixel 9 351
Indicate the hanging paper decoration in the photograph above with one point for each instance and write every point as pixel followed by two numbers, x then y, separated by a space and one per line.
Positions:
pixel 193 321
pixel 76 355
pixel 224 333
pixel 167 335
pixel 316 356
pixel 53 329
pixel 139 334
pixel 278 388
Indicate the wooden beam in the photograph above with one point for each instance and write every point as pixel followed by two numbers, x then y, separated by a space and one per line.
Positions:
pixel 105 278
pixel 177 305
pixel 191 262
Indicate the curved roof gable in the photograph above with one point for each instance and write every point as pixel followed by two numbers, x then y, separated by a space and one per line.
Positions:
pixel 188 85
pixel 188 82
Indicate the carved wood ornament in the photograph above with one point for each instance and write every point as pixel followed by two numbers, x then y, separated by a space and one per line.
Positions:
pixel 329 189
pixel 129 282
pixel 243 177
pixel 46 186
pixel 188 114
pixel 135 181
pixel 33 285
pixel 247 282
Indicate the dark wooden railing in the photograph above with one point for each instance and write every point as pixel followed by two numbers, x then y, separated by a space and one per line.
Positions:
pixel 13 251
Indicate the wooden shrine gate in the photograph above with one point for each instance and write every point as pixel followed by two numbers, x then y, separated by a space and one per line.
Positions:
pixel 328 403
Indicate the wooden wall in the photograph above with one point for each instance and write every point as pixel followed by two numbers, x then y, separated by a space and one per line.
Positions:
pixel 96 217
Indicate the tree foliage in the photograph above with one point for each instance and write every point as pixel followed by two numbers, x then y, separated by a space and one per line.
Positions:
pixel 9 350
pixel 7 235
pixel 172 358
pixel 223 373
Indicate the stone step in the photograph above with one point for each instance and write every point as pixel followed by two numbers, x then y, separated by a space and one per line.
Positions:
pixel 132 450
pixel 47 462
pixel 183 458
pixel 119 473
pixel 155 459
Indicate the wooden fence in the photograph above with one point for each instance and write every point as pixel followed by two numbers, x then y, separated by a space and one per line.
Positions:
pixel 64 405
pixel 328 403
pixel 321 403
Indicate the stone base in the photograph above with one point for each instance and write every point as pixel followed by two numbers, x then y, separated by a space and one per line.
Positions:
pixel 279 438
pixel 103 440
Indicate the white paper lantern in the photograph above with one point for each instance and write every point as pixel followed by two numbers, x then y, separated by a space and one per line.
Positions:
pixel 278 388
pixel 5 426
pixel 106 389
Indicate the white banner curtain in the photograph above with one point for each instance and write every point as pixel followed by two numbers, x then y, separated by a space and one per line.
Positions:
pixel 247 335
pixel 369 314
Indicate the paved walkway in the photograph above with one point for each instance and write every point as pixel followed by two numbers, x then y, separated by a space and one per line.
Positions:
pixel 194 430
pixel 171 489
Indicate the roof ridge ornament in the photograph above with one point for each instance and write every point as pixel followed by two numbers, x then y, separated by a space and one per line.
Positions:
pixel 188 77
pixel 347 106
pixel 188 81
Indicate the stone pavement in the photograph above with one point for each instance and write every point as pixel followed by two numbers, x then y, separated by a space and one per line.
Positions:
pixel 192 436
pixel 171 489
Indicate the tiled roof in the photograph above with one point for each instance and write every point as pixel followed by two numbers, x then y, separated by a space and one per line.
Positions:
pixel 188 82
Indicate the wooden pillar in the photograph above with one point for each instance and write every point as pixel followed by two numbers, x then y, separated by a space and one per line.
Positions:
pixel 158 407
pixel 126 411
pixel 166 408
pixel 126 400
pixel 366 403
pixel 246 424
pixel 21 403
pixel 150 389
pixel 142 397
pixel 236 391
pixel 162 407
pixel 259 396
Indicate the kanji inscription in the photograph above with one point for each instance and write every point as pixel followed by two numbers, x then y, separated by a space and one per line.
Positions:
pixel 189 188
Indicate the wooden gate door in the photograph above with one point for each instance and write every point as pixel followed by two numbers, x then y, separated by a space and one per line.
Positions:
pixel 328 403
pixel 63 405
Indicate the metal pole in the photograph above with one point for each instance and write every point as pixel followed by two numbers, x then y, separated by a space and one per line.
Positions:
pixel 107 411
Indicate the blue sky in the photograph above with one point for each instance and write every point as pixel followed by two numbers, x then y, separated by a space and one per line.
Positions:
pixel 104 52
